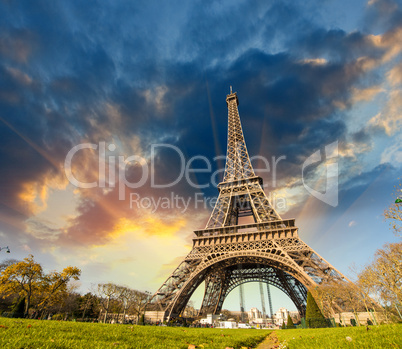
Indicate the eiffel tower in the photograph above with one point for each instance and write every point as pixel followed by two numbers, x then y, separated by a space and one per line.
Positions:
pixel 227 254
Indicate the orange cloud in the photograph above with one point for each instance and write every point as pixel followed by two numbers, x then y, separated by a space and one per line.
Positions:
pixel 390 117
pixel 394 76
pixel 20 76
pixel 314 61
pixel 34 195
pixel 149 225
pixel 390 41
pixel 365 94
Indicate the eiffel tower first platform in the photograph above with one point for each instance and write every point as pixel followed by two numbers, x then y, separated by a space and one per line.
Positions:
pixel 226 254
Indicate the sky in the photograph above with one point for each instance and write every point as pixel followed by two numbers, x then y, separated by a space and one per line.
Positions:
pixel 107 109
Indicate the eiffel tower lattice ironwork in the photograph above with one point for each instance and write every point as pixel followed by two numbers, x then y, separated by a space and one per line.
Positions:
pixel 226 254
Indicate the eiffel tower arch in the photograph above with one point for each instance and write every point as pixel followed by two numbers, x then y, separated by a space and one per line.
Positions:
pixel 226 254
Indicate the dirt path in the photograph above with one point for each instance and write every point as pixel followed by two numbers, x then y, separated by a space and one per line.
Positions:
pixel 270 342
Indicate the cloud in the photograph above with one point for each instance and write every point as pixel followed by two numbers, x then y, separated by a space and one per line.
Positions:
pixel 394 75
pixel 366 94
pixel 393 154
pixel 136 74
pixel 17 44
pixel 314 61
pixel 389 118
pixel 382 15
pixel 390 42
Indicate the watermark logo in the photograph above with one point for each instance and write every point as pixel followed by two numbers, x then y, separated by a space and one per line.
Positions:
pixel 113 169
pixel 113 172
pixel 330 195
pixel 198 201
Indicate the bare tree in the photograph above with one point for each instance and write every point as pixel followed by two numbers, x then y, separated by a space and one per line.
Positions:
pixel 227 314
pixel 138 301
pixel 106 292
pixel 383 277
pixel 87 301
pixel 122 297
pixel 189 310
pixel 328 298
pixel 393 214
pixel 7 263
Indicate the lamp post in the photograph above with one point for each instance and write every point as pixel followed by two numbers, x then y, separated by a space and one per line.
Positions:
pixel 5 248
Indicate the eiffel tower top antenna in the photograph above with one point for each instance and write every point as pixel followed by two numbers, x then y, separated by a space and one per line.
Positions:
pixel 240 192
pixel 238 164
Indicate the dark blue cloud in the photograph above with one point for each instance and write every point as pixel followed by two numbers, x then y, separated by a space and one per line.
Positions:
pixel 382 16
pixel 62 64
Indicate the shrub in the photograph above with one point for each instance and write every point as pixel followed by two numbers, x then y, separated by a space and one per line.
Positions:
pixel 314 317
pixel 142 320
pixel 290 322
pixel 18 309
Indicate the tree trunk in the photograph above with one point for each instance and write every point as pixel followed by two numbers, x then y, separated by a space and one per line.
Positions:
pixel 356 316
pixel 83 314
pixel 107 309
pixel 27 304
pixel 124 316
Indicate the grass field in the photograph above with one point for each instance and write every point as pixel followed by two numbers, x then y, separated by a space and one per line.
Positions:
pixel 377 337
pixel 18 333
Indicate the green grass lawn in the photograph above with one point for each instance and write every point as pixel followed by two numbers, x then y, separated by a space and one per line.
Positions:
pixel 377 337
pixel 19 333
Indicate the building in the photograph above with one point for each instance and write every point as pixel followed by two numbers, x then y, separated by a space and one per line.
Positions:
pixel 254 314
pixel 210 319
pixel 281 316
pixel 256 317
pixel 227 324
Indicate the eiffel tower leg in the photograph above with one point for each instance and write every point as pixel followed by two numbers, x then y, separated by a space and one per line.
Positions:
pixel 213 291
pixel 271 313
pixel 216 285
pixel 295 290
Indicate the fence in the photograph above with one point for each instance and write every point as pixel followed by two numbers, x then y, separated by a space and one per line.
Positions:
pixel 317 323
pixel 344 319
pixel 12 314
